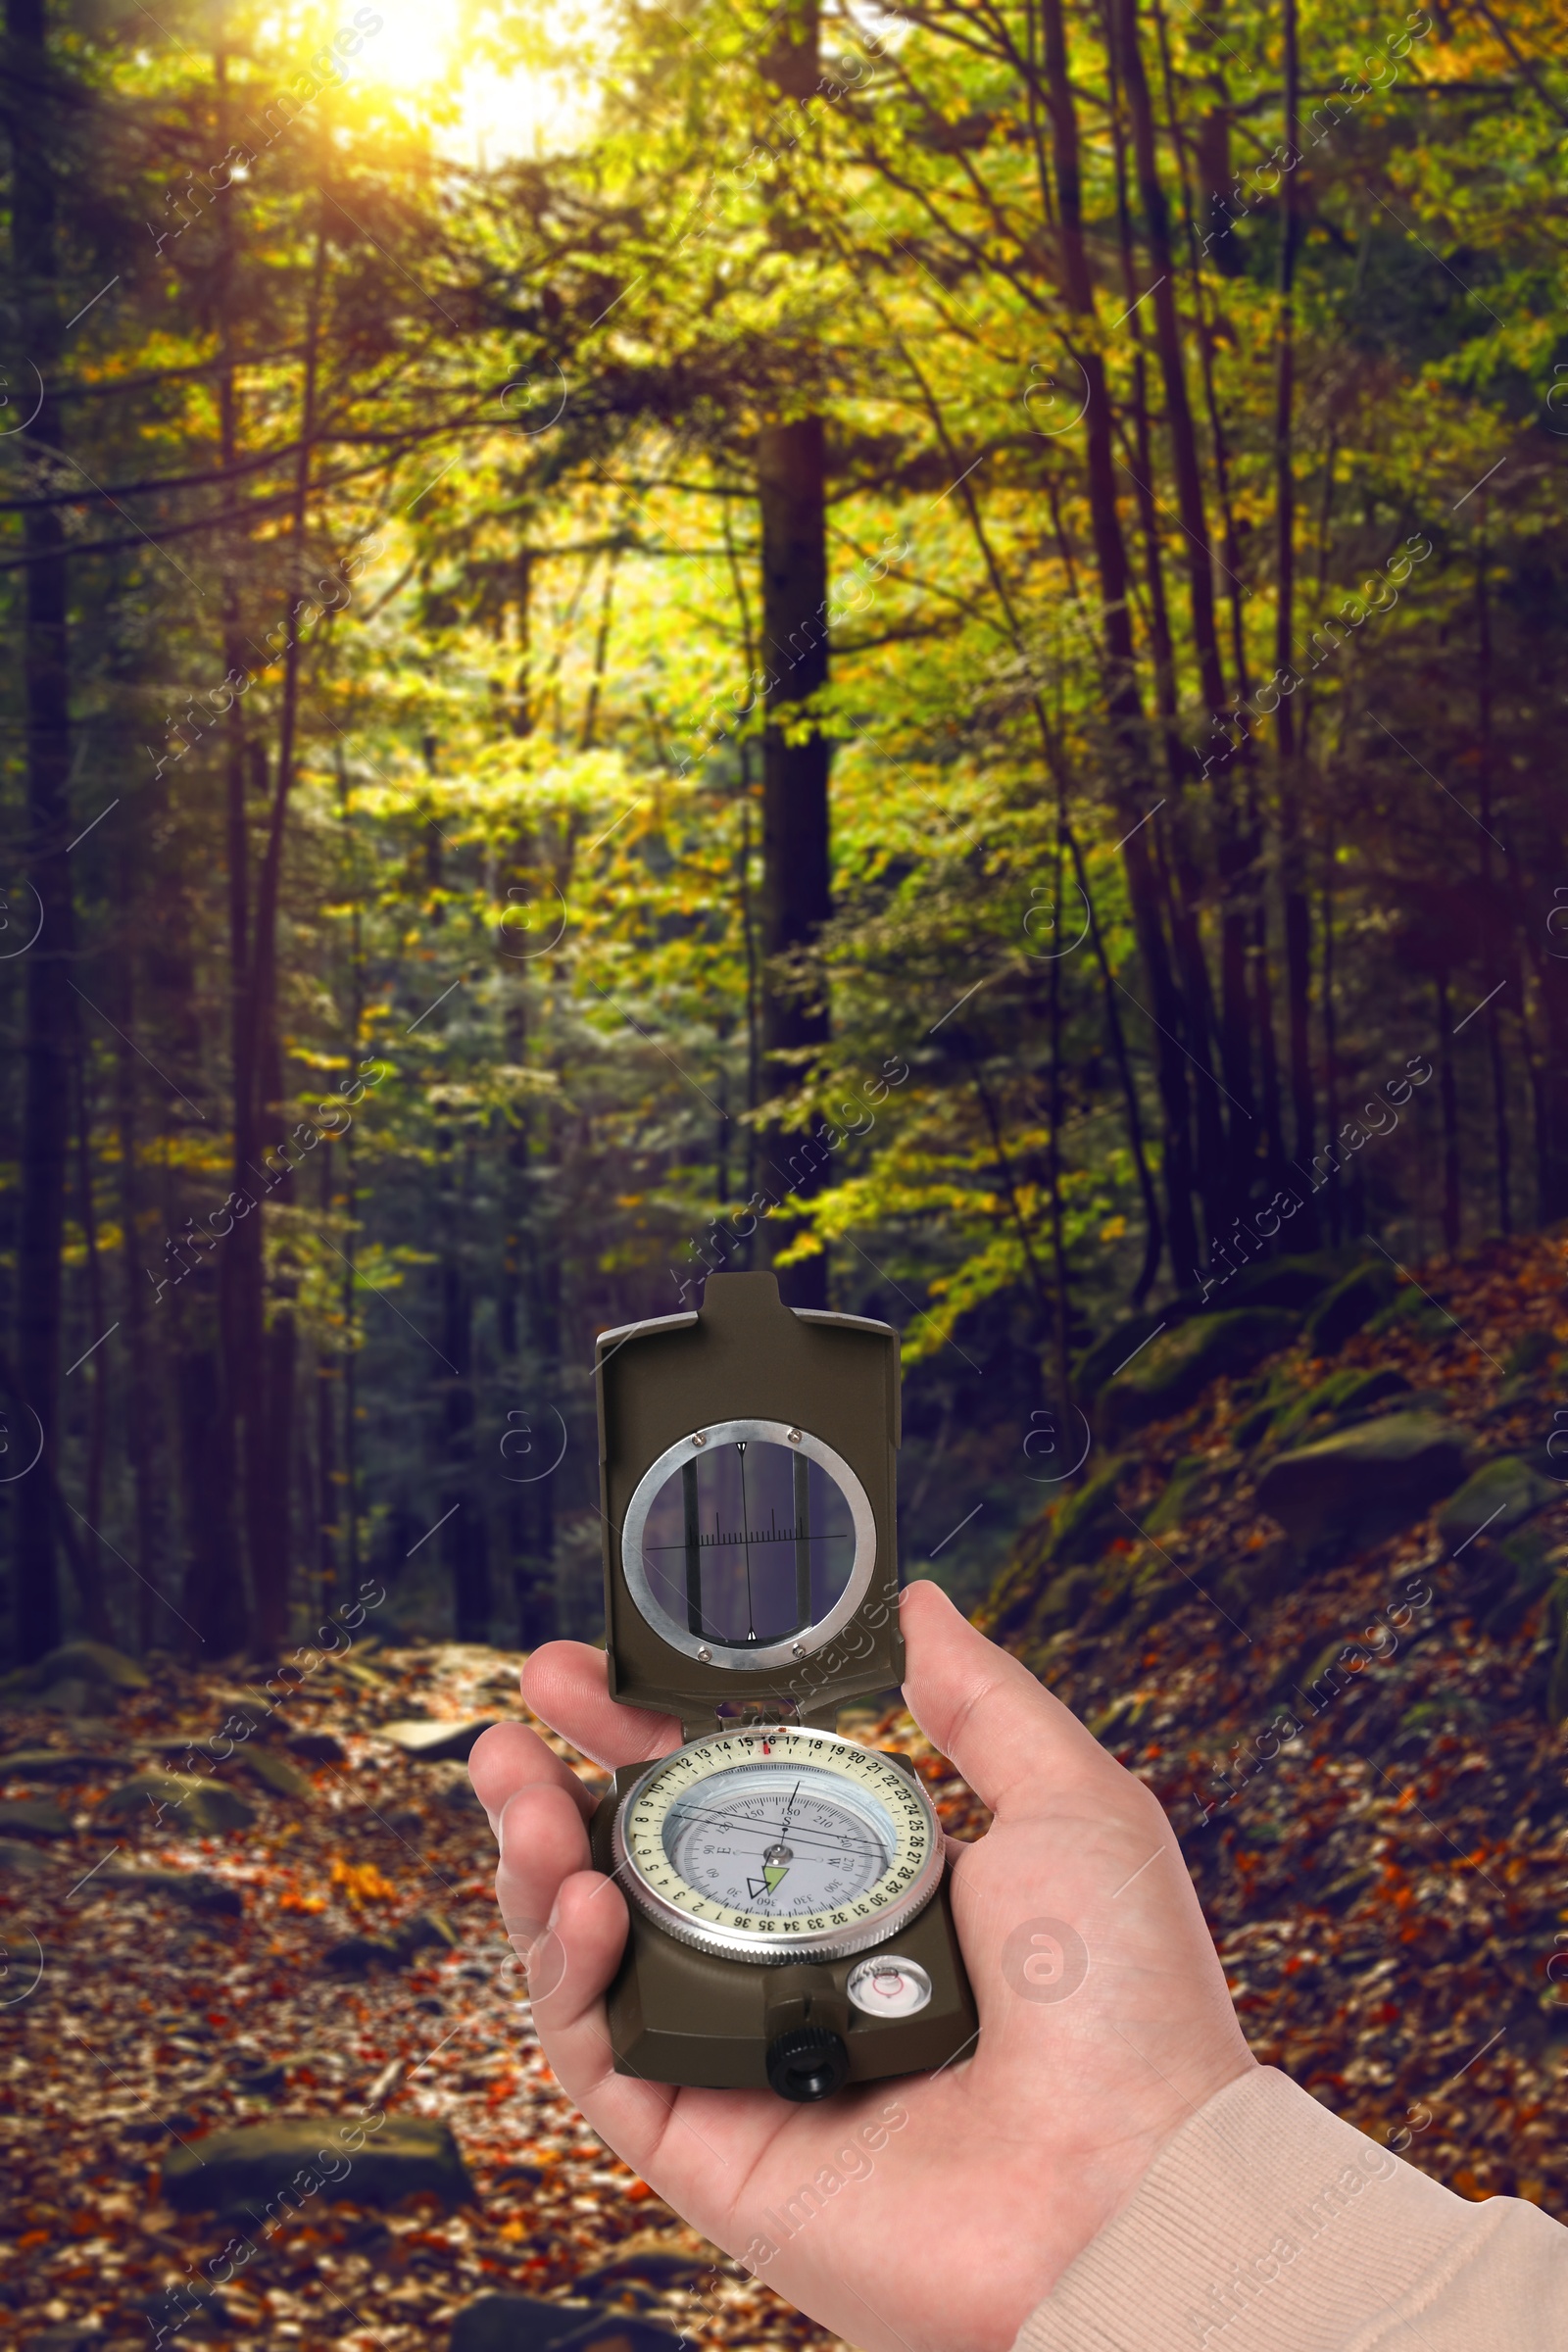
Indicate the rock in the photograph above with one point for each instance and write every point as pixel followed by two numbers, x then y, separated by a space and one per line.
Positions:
pixel 1524 1568
pixel 252 2164
pixel 280 1774
pixel 521 2324
pixel 400 1821
pixel 436 1743
pixel 1351 1303
pixel 188 2307
pixel 259 2077
pixel 1346 1395
pixel 1535 1348
pixel 1557 1686
pixel 650 2258
pixel 202 1807
pixel 74 1765
pixel 1172 1372
pixel 1294 1282
pixel 1063 1602
pixel 22 1860
pixel 34 1816
pixel 427 1930
pixel 1087 1518
pixel 1099 1364
pixel 358 1955
pixel 1181 1487
pixel 69 1696
pixel 200 1890
pixel 1501 1494
pixel 1363 1482
pixel 1076 1527
pixel 316 1747
pixel 93 1662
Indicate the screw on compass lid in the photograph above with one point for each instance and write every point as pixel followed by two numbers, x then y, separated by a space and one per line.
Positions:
pixel 807 2063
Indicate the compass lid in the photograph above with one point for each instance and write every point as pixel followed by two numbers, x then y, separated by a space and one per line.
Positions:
pixel 747 1460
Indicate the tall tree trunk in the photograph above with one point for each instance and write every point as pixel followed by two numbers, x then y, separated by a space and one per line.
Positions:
pixel 464 1534
pixel 152 1626
pixel 1448 1089
pixel 1501 1134
pixel 791 476
pixel 328 1489
pixel 46 703
pixel 269 1418
pixel 1295 888
pixel 795 892
pixel 1234 1022
pixel 1125 707
pixel 93 1600
pixel 241 1277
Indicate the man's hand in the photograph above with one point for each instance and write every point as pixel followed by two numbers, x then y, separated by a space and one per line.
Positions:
pixel 927 2213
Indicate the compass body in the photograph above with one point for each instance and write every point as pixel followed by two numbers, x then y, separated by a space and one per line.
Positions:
pixel 790 1922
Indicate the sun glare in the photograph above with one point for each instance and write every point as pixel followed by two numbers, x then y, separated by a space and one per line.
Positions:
pixel 425 50
pixel 415 47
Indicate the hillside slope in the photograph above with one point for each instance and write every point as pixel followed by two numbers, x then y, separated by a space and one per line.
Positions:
pixel 1346 1701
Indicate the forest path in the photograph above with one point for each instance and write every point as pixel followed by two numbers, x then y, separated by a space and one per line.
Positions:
pixel 316 1981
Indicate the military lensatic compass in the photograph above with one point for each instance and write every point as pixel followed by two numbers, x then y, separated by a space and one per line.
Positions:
pixel 790 1923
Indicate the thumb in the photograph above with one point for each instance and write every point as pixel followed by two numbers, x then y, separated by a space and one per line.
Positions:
pixel 1003 1728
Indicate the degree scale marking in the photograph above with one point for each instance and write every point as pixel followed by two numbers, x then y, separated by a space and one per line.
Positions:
pixel 718 1756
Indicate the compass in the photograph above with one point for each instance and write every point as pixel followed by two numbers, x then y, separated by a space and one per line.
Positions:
pixel 775 1844
pixel 790 1926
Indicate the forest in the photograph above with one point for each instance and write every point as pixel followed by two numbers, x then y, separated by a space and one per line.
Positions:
pixel 915 646
pixel 920 646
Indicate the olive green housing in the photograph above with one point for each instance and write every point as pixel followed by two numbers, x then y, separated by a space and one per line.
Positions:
pixel 678 2015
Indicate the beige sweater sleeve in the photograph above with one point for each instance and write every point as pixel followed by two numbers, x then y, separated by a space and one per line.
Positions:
pixel 1267 2225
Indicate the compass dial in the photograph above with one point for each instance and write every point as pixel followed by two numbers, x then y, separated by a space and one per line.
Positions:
pixel 765 1845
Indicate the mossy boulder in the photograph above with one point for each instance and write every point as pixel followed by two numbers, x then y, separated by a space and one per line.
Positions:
pixel 107 1672
pixel 1100 1362
pixel 275 1772
pixel 1294 1282
pixel 1351 1303
pixel 1347 1395
pixel 1063 1602
pixel 34 1817
pixel 504 2323
pixel 1180 1490
pixel 1363 1484
pixel 1498 1498
pixel 22 1860
pixel 1414 1313
pixel 183 1800
pixel 1558 1687
pixel 75 1765
pixel 1072 1532
pixel 292 2161
pixel 1087 1518
pixel 197 1890
pixel 1171 1372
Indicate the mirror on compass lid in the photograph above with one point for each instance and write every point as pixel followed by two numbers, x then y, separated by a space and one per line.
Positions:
pixel 741 1542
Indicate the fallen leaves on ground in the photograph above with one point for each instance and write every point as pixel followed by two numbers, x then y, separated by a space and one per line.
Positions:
pixel 130 2020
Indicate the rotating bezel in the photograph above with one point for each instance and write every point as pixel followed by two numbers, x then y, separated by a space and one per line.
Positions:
pixel 721 1936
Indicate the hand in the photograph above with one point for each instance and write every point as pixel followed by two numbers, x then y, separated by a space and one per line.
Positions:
pixel 990 2176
